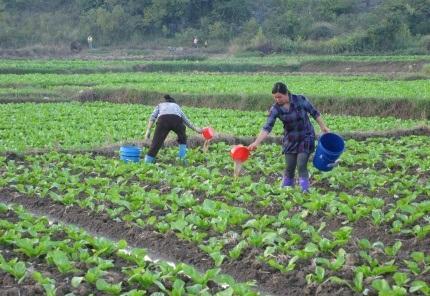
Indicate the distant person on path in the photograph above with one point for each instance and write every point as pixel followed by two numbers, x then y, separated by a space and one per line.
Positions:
pixel 90 42
pixel 195 42
pixel 299 135
pixel 169 117
pixel 206 44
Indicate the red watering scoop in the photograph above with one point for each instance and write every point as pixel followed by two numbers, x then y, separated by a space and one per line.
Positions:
pixel 208 133
pixel 239 153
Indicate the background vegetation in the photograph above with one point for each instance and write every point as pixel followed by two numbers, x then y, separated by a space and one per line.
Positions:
pixel 310 26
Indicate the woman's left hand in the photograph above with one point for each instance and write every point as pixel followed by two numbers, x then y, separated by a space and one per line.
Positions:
pixel 325 129
pixel 148 134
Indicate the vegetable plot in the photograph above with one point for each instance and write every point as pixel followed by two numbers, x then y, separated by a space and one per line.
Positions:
pixel 75 125
pixel 312 85
pixel 53 259
pixel 363 228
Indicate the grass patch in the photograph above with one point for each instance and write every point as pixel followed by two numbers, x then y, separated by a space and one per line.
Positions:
pixel 401 108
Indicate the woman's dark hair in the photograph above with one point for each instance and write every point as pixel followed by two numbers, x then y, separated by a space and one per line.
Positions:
pixel 280 87
pixel 169 99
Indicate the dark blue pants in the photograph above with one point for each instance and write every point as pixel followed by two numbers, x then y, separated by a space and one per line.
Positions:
pixel 299 160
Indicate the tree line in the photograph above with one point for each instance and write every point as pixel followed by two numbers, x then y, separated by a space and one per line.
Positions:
pixel 332 26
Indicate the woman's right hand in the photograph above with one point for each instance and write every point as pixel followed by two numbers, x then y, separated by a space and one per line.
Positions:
pixel 252 146
pixel 263 134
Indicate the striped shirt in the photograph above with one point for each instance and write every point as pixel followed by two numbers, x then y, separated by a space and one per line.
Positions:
pixel 299 134
pixel 173 109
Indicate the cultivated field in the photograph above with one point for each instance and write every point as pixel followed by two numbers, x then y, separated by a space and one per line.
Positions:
pixel 76 220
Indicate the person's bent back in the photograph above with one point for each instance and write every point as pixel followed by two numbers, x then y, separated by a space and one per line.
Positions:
pixel 169 117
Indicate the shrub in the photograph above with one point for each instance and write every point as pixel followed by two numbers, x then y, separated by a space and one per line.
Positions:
pixel 219 31
pixel 425 42
pixel 261 43
pixel 426 69
pixel 322 30
pixel 285 45
pixel 185 37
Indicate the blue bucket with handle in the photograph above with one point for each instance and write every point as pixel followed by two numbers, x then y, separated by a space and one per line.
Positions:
pixel 129 153
pixel 330 147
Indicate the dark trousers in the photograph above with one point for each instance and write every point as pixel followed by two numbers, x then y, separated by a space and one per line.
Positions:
pixel 297 159
pixel 165 124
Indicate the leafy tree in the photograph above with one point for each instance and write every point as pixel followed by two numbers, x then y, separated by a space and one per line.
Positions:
pixel 250 29
pixel 391 28
pixel 419 16
pixel 233 12
pixel 165 12
pixel 365 24
pixel 197 10
pixel 288 24
pixel 330 9
pixel 2 10
pixel 322 30
pixel 219 30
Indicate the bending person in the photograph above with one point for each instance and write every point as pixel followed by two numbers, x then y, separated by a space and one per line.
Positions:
pixel 169 117
pixel 299 134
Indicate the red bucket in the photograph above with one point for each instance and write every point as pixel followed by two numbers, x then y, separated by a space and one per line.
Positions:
pixel 208 133
pixel 239 153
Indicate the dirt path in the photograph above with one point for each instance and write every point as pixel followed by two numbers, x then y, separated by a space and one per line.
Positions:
pixel 197 141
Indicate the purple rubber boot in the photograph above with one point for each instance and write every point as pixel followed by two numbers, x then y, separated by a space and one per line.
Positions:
pixel 287 182
pixel 304 184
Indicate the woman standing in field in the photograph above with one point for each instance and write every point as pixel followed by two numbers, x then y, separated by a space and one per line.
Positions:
pixel 169 117
pixel 299 135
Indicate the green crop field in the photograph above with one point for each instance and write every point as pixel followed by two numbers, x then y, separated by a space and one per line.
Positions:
pixel 279 63
pixel 373 204
pixel 77 220
pixel 208 84
pixel 88 125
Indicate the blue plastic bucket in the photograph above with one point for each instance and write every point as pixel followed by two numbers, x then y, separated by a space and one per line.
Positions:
pixel 330 147
pixel 129 153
